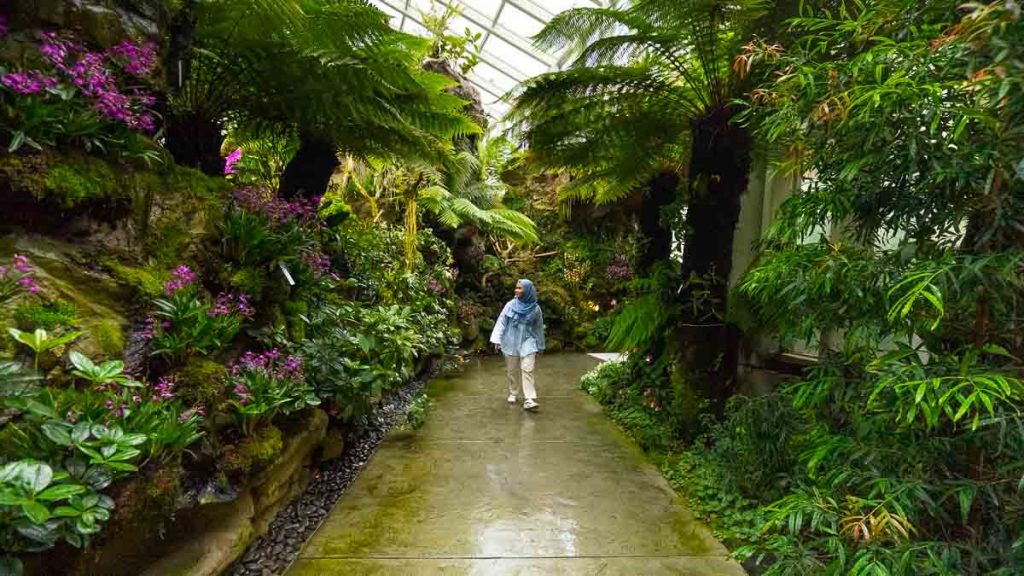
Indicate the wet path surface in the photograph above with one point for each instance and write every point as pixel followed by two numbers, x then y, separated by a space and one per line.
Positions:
pixel 485 488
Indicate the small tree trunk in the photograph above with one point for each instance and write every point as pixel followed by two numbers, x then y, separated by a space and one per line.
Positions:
pixel 719 173
pixel 309 172
pixel 662 190
pixel 195 141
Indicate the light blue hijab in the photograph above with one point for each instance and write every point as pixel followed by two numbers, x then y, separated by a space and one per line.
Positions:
pixel 523 308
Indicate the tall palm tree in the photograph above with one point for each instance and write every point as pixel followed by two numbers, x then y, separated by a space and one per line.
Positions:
pixel 650 102
pixel 331 72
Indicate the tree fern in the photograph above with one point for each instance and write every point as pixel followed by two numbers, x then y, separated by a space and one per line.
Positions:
pixel 332 71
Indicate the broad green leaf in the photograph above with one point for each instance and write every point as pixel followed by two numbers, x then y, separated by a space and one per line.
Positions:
pixel 60 492
pixel 58 433
pixel 36 512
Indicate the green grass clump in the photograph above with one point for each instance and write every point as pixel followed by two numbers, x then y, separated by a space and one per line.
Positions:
pixel 46 315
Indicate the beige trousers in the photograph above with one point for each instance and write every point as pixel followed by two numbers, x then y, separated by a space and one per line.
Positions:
pixel 520 374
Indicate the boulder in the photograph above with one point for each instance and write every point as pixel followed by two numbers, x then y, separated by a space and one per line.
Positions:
pixel 63 271
pixel 332 447
pixel 212 550
pixel 298 449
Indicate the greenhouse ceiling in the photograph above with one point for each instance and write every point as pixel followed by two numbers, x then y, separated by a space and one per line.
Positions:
pixel 507 54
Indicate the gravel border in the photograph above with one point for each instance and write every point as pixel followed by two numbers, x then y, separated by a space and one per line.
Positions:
pixel 272 553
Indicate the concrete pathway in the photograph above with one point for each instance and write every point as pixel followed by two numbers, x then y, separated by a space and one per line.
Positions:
pixel 485 488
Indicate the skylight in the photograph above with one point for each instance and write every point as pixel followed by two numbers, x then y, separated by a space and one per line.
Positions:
pixel 507 55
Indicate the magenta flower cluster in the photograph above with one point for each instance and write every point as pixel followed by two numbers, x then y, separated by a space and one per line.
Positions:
pixel 242 393
pixel 276 210
pixel 434 286
pixel 231 160
pixel 92 74
pixel 229 303
pixel 121 410
pixel 31 82
pixel 272 362
pixel 318 262
pixel 21 272
pixel 619 270
pixel 135 59
pixel 182 277
pixel 164 389
pixel 188 414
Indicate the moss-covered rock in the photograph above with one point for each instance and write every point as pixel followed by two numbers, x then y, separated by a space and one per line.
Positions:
pixel 147 281
pixel 253 453
pixel 64 273
pixel 301 443
pixel 294 310
pixel 176 209
pixel 63 180
pixel 48 315
pixel 81 179
pixel 101 22
pixel 200 382
pixel 160 213
pixel 215 543
pixel 109 336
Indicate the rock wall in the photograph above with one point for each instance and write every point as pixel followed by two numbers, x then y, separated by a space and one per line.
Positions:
pixel 220 533
pixel 102 22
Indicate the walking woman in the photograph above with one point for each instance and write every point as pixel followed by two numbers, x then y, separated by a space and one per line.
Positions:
pixel 519 335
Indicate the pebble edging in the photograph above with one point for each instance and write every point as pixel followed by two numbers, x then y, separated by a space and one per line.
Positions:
pixel 272 553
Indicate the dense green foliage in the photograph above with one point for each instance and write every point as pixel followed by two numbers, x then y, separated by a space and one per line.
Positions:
pixel 899 258
pixel 326 71
pixel 250 308
pixel 911 454
pixel 349 225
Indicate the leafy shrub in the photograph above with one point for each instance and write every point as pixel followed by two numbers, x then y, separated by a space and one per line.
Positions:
pixel 186 323
pixel 758 443
pixel 357 353
pixel 41 342
pixel 416 413
pixel 911 460
pixel 631 406
pixel 66 445
pixel 266 384
pixel 709 486
pixel 46 315
pixel 41 506
pixel 604 381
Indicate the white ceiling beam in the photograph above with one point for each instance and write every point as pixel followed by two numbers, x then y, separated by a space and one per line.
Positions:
pixel 533 10
pixel 401 26
pixel 503 67
pixel 480 20
pixel 494 22
pixel 517 42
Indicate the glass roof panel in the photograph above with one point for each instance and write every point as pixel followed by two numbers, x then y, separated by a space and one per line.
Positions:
pixel 507 55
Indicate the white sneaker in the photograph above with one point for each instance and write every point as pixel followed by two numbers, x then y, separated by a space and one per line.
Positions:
pixel 511 398
pixel 530 405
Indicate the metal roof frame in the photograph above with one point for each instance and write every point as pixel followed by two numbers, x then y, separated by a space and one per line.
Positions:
pixel 491 27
